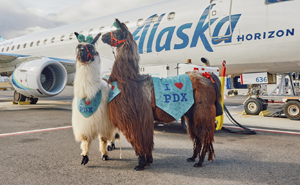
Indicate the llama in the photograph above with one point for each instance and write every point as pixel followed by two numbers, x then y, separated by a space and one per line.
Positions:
pixel 134 109
pixel 89 109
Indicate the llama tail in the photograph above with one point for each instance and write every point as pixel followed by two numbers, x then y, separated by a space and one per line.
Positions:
pixel 217 86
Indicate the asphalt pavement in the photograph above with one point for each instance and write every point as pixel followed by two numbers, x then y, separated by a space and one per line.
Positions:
pixel 38 147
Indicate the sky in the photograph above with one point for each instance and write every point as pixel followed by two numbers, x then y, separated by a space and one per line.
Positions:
pixel 22 17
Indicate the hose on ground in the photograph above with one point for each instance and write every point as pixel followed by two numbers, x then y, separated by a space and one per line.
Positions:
pixel 245 131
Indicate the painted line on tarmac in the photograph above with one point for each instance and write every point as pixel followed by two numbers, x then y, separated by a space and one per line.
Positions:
pixel 267 130
pixel 34 131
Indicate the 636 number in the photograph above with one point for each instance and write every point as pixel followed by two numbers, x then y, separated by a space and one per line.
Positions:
pixel 261 79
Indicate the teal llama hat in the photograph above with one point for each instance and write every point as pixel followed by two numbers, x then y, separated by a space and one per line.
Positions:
pixel 89 39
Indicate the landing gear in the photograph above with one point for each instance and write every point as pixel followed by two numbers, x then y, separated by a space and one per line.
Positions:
pixel 33 100
pixel 292 110
pixel 18 97
pixel 232 93
pixel 253 106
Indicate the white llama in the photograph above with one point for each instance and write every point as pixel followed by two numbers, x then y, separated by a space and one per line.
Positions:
pixel 89 109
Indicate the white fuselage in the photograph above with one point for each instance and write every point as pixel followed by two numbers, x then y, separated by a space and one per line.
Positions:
pixel 261 37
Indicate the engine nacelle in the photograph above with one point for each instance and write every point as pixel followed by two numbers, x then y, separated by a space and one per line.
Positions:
pixel 40 78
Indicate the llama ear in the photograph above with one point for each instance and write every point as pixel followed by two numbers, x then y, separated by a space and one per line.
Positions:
pixel 80 37
pixel 76 34
pixel 120 25
pixel 96 38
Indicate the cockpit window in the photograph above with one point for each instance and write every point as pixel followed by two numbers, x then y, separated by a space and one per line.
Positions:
pixel 275 1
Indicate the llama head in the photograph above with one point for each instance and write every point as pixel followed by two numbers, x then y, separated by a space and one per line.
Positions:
pixel 118 37
pixel 85 49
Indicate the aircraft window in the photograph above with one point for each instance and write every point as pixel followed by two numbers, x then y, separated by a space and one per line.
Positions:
pixel 31 44
pixel 155 19
pixel 113 28
pixel 90 32
pixel 101 29
pixel 13 48
pixel 52 40
pixel 45 41
pixel 18 46
pixel 38 43
pixel 62 38
pixel 71 36
pixel 171 16
pixel 24 46
pixel 2 49
pixel 140 22
pixel 7 48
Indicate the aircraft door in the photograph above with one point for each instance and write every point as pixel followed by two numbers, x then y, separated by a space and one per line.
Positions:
pixel 221 29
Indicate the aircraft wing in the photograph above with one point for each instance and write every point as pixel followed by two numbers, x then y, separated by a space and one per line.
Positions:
pixel 8 61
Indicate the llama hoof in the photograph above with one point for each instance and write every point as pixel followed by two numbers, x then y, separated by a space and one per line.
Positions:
pixel 85 160
pixel 109 148
pixel 105 158
pixel 190 160
pixel 197 165
pixel 139 168
pixel 149 160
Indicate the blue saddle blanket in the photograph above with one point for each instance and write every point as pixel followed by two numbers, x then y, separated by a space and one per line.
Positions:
pixel 174 94
pixel 88 108
pixel 114 91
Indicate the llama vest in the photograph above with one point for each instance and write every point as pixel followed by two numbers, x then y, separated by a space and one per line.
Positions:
pixel 114 91
pixel 174 94
pixel 88 108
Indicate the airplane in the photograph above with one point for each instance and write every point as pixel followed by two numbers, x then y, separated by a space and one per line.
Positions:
pixel 252 36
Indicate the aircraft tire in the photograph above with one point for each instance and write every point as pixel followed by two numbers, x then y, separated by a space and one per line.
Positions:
pixel 33 100
pixel 264 104
pixel 292 110
pixel 19 97
pixel 253 106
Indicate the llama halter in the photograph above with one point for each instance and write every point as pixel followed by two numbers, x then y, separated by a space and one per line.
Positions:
pixel 116 40
pixel 89 54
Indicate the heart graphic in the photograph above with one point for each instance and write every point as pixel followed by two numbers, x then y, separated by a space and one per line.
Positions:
pixel 88 102
pixel 179 85
pixel 112 88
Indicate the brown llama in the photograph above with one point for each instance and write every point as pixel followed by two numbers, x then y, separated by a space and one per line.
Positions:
pixel 134 110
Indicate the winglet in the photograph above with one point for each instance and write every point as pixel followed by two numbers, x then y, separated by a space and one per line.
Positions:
pixel 2 39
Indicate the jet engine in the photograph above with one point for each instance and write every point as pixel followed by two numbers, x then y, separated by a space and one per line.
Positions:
pixel 39 78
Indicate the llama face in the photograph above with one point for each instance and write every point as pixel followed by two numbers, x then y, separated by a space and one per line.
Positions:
pixel 86 49
pixel 118 37
pixel 85 52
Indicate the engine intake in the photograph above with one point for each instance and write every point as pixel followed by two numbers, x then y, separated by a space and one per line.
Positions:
pixel 40 78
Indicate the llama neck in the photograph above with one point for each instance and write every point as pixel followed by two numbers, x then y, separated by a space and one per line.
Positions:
pixel 126 65
pixel 87 80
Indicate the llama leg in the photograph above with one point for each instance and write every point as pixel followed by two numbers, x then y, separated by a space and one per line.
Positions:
pixel 110 145
pixel 195 152
pixel 202 157
pixel 103 149
pixel 149 159
pixel 197 145
pixel 85 150
pixel 142 163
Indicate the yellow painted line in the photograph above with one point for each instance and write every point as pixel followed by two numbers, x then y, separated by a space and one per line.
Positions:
pixel 246 116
